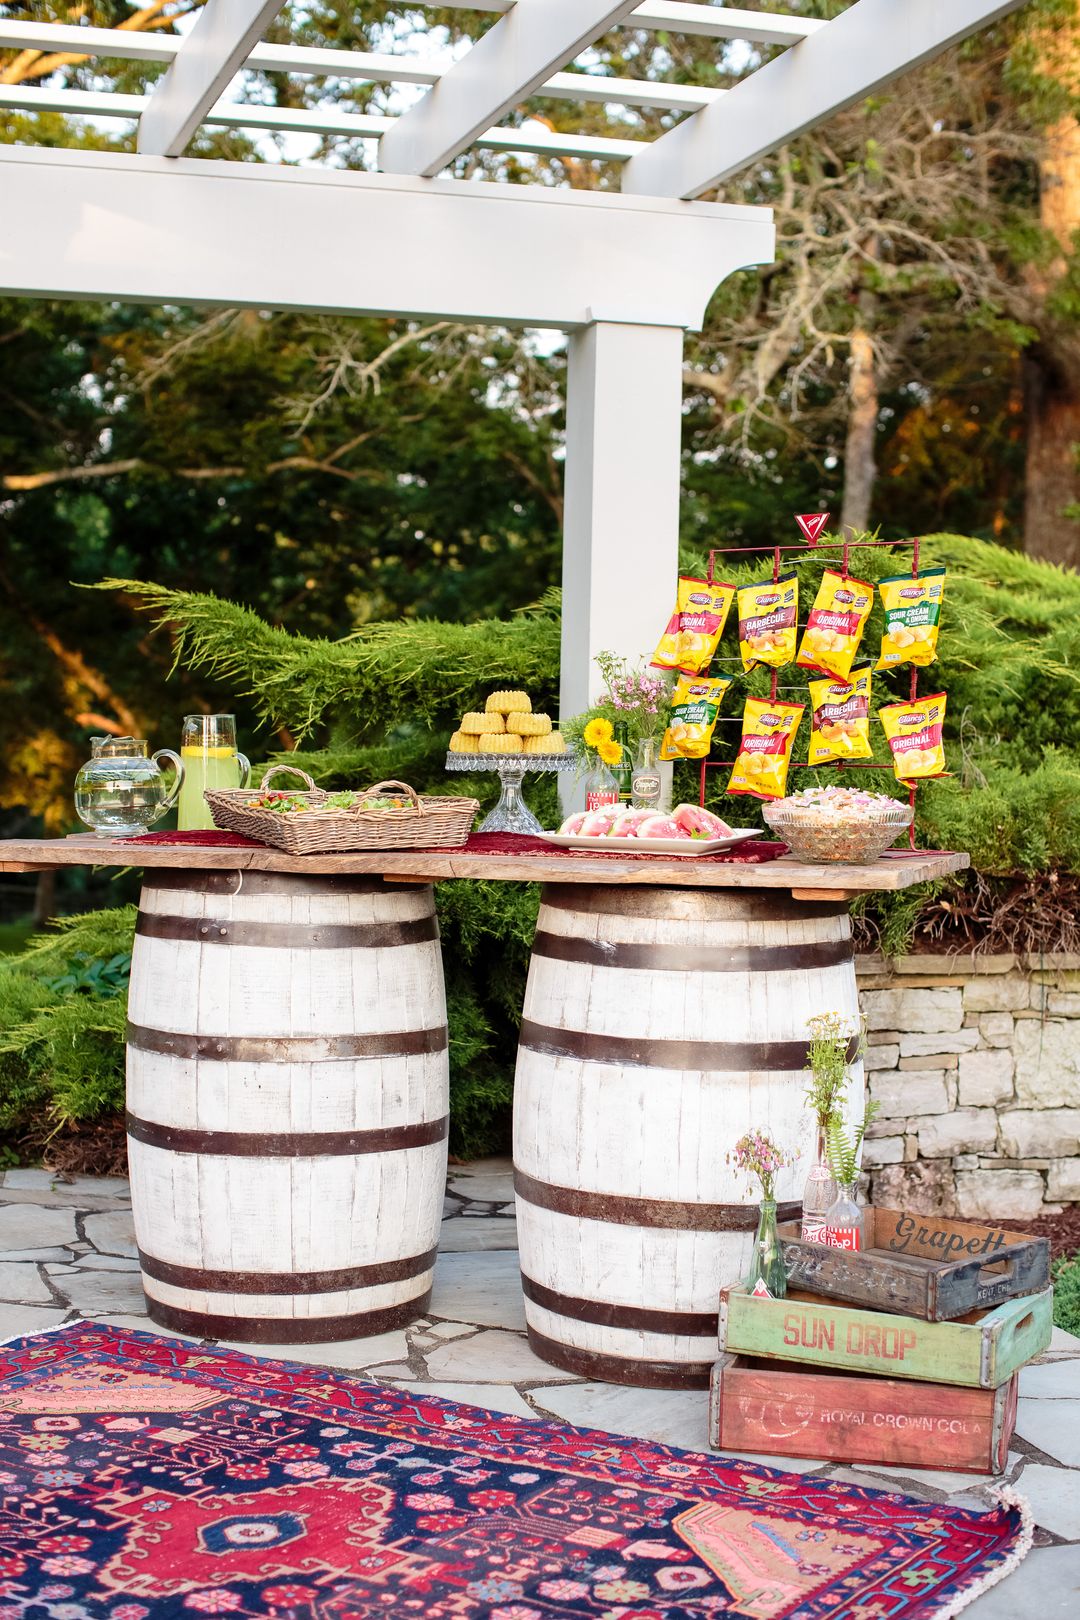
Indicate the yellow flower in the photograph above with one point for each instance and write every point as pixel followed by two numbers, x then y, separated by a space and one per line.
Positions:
pixel 610 752
pixel 598 731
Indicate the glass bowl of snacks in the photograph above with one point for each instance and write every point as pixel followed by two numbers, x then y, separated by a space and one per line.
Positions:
pixel 838 824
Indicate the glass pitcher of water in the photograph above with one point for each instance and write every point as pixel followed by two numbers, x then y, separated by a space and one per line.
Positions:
pixel 208 750
pixel 120 792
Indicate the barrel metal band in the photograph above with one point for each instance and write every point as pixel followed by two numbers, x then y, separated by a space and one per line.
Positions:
pixel 288 936
pixel 662 1213
pixel 287 1144
pixel 287 1329
pixel 639 900
pixel 286 1048
pixel 282 885
pixel 662 958
pixel 287 1282
pixel 632 1051
pixel 620 1369
pixel 702 1324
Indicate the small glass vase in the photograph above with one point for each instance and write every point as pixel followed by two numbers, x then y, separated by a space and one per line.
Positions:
pixel 844 1221
pixel 600 787
pixel 646 778
pixel 768 1274
pixel 819 1195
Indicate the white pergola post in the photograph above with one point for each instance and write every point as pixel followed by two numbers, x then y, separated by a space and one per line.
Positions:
pixel 621 526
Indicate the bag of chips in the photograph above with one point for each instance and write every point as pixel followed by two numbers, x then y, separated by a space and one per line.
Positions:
pixel 836 624
pixel 768 615
pixel 695 706
pixel 765 751
pixel 914 733
pixel 912 608
pixel 840 718
pixel 694 629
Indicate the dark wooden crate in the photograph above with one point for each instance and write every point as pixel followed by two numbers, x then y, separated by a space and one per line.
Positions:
pixel 921 1265
pixel 982 1349
pixel 782 1409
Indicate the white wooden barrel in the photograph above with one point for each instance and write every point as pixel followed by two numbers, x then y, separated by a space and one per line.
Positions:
pixel 659 1026
pixel 288 1096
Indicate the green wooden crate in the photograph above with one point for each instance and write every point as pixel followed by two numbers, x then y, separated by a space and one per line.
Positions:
pixel 982 1350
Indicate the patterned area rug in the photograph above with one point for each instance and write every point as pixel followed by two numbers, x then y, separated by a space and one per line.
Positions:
pixel 144 1480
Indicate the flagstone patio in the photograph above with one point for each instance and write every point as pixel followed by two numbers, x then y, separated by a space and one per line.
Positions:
pixel 67 1250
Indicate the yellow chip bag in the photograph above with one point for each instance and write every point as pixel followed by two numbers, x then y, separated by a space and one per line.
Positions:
pixel 768 615
pixel 765 751
pixel 840 718
pixel 914 733
pixel 695 706
pixel 694 629
pixel 912 608
pixel 836 624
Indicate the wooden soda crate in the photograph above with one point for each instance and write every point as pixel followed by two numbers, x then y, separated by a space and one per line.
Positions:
pixel 920 1265
pixel 786 1410
pixel 980 1350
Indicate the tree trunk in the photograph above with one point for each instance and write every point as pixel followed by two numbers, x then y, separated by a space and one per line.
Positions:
pixel 860 445
pixel 1052 400
pixel 44 898
pixel 1052 366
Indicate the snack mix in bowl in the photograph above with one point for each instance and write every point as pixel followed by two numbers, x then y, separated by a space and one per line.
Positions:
pixel 838 824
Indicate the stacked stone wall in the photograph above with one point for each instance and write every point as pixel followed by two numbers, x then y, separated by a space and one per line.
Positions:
pixel 975 1064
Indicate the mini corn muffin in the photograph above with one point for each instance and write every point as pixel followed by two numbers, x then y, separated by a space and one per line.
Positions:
pixel 462 743
pixel 508 703
pixel 481 725
pixel 552 742
pixel 500 743
pixel 528 725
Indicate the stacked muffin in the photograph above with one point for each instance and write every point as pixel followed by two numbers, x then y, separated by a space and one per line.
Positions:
pixel 507 726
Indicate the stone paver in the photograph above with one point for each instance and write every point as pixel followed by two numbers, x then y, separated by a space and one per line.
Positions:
pixel 473 1350
pixel 112 1232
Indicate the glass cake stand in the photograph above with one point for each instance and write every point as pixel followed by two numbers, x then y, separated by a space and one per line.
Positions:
pixel 511 814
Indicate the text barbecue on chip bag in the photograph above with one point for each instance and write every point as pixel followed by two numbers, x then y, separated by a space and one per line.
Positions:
pixel 765 750
pixel 694 629
pixel 768 615
pixel 840 718
pixel 912 609
pixel 914 734
pixel 695 706
pixel 836 624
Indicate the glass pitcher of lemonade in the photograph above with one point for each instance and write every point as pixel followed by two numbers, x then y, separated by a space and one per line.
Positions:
pixel 208 750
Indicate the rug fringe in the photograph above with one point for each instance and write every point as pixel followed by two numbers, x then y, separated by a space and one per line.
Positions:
pixel 39 1333
pixel 1005 1497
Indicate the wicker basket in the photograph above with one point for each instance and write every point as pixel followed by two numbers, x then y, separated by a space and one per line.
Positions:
pixel 430 823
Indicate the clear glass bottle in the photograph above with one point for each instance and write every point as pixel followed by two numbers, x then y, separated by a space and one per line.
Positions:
pixel 844 1221
pixel 600 787
pixel 768 1273
pixel 646 778
pixel 624 770
pixel 819 1194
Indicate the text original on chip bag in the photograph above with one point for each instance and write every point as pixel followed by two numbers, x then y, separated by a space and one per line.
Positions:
pixel 914 733
pixel 768 615
pixel 840 718
pixel 694 629
pixel 765 751
pixel 836 624
pixel 695 705
pixel 912 610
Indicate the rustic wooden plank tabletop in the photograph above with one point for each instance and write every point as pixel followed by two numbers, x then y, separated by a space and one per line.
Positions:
pixel 894 871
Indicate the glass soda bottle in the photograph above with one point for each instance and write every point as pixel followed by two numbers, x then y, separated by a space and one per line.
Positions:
pixel 600 787
pixel 819 1195
pixel 844 1221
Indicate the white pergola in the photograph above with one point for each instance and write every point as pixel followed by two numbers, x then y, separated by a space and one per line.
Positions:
pixel 624 272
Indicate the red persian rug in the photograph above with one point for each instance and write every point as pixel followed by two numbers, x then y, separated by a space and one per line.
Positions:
pixel 146 1480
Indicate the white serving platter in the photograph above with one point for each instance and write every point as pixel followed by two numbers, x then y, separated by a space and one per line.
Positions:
pixel 652 846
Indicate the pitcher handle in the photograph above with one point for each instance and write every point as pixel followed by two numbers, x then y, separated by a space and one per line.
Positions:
pixel 178 767
pixel 245 769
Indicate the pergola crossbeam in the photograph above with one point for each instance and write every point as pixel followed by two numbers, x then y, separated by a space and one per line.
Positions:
pixel 125 44
pixel 217 46
pixel 858 52
pixel 710 22
pixel 509 63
